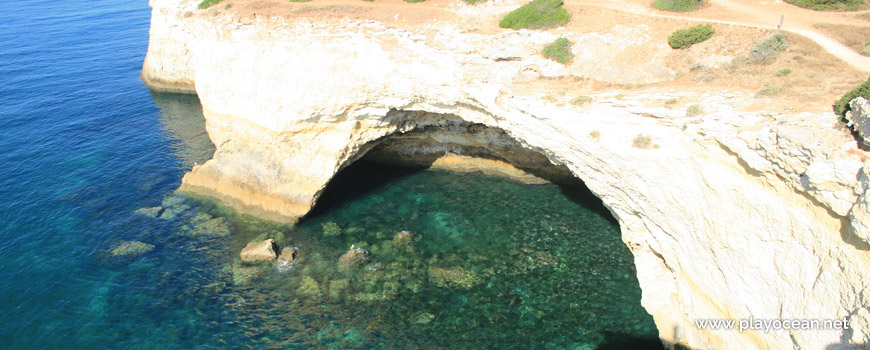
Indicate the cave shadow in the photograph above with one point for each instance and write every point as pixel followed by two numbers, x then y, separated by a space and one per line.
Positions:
pixel 625 341
pixel 358 179
pixel 579 193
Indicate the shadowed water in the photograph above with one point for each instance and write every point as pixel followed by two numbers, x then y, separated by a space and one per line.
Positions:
pixel 86 146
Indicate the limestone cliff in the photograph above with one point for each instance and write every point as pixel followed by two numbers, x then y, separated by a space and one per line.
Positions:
pixel 729 214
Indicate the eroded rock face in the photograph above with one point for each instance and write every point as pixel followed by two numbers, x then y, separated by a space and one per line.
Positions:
pixel 859 118
pixel 735 215
pixel 260 251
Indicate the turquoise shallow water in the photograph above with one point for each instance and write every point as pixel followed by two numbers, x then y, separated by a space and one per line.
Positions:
pixel 85 144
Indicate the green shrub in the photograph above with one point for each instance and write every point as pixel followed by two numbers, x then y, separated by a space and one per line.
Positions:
pixel 559 50
pixel 783 72
pixel 207 3
pixel 677 5
pixel 842 105
pixel 765 49
pixel 866 51
pixel 694 110
pixel 733 64
pixel 688 37
pixel 412 1
pixel 536 14
pixel 706 78
pixel 850 5
pixel 473 2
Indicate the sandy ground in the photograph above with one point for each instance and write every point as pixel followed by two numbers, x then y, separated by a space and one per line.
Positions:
pixel 821 64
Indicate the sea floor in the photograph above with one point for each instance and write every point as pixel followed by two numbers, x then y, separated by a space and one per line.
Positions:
pixel 444 260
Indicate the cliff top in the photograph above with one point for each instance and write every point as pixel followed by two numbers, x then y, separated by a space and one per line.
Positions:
pixel 806 76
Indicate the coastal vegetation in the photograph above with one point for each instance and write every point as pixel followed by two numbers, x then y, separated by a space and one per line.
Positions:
pixel 684 38
pixel 694 110
pixel 559 50
pixel 764 50
pixel 677 5
pixel 767 90
pixel 821 5
pixel 842 105
pixel 538 14
pixel 207 3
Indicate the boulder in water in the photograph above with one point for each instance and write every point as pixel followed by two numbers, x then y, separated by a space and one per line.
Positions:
pixel 289 254
pixel 354 258
pixel 260 251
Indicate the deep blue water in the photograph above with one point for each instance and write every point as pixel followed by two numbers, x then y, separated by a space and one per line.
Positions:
pixel 83 144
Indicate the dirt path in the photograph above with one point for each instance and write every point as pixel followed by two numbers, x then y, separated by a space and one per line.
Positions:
pixel 759 14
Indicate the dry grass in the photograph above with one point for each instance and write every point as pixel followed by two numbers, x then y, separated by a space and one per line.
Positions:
pixel 643 142
pixel 855 37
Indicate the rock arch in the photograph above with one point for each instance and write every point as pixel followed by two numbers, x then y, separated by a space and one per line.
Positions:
pixel 730 214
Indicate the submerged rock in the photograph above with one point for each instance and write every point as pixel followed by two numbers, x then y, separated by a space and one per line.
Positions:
pixel 330 229
pixel 405 238
pixel 212 227
pixel 173 206
pixel 309 287
pixel 150 212
pixel 526 260
pixel 422 318
pixel 260 251
pixel 454 277
pixel 200 217
pixel 354 258
pixel 337 287
pixel 243 275
pixel 173 212
pixel 130 248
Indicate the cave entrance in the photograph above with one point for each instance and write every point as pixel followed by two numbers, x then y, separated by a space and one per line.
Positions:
pixel 490 261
